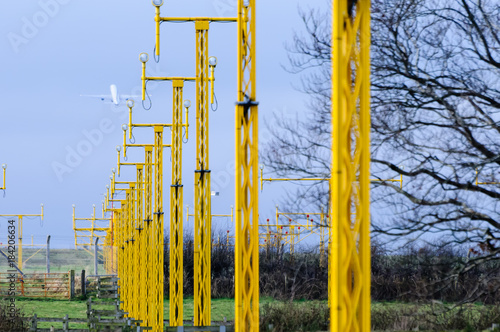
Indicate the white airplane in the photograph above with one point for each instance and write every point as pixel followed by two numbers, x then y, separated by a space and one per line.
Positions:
pixel 114 97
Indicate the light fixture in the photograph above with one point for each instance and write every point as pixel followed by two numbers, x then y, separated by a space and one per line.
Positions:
pixel 158 3
pixel 261 166
pixel 113 170
pixel 107 186
pixel 212 61
pixel 118 148
pixel 130 103
pixel 4 166
pixel 187 103
pixel 124 127
pixel 144 57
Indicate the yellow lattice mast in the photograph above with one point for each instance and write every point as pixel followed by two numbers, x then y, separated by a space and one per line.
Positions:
pixel 349 245
pixel 247 184
pixel 176 215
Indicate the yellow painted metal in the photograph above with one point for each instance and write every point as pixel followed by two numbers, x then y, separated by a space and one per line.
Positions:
pixel 20 232
pixel 487 182
pixel 157 234
pixel 138 244
pixel 148 225
pixel 197 19
pixel 202 194
pixel 176 215
pixel 20 242
pixel 349 246
pixel 247 170
pixel 127 258
pixel 171 78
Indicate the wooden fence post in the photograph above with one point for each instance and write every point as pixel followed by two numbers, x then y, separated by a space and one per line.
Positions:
pixel 84 286
pixel 34 325
pixel 71 284
pixel 65 323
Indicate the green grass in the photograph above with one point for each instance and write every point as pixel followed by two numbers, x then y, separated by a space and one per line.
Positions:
pixel 77 308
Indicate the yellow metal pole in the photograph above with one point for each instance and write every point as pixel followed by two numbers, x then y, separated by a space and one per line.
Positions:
pixel 138 245
pixel 132 249
pixel 20 242
pixel 176 222
pixel 157 236
pixel 349 244
pixel 247 182
pixel 202 238
pixel 148 225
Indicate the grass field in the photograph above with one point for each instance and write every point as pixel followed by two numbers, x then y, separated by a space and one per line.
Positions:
pixel 387 316
pixel 76 308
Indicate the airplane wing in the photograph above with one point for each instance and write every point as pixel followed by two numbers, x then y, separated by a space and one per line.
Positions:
pixel 106 98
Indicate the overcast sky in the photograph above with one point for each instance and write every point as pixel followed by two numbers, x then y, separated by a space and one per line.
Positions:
pixel 55 50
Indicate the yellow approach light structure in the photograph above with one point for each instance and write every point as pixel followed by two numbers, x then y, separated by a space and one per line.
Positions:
pixel 202 238
pixel 247 178
pixel 349 245
pixel 85 236
pixel 176 190
pixel 4 168
pixel 20 233
pixel 262 179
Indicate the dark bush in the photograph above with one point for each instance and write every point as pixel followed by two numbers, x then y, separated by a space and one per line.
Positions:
pixel 289 316
pixel 12 318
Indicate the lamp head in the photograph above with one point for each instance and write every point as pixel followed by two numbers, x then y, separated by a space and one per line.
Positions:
pixel 113 170
pixel 118 148
pixel 130 103
pixel 73 206
pixel 261 166
pixel 212 61
pixel 124 127
pixel 107 186
pixel 144 57
pixel 187 103
pixel 157 3
pixel 4 166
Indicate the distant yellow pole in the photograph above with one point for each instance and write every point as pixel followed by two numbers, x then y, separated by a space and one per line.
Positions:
pixel 20 242
pixel 203 235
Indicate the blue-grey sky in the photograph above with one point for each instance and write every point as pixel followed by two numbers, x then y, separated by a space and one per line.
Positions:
pixel 54 50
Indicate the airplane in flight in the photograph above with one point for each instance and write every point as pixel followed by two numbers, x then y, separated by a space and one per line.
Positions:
pixel 114 97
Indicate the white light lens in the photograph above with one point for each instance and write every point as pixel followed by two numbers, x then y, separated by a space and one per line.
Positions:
pixel 118 148
pixel 212 61
pixel 187 103
pixel 144 57
pixel 130 103
pixel 124 127
pixel 113 170
pixel 73 205
pixel 4 166
pixel 158 3
pixel 261 166
pixel 107 186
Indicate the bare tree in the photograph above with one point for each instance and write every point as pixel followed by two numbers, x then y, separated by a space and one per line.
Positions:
pixel 435 120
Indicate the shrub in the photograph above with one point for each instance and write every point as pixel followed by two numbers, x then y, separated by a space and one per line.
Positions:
pixel 12 319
